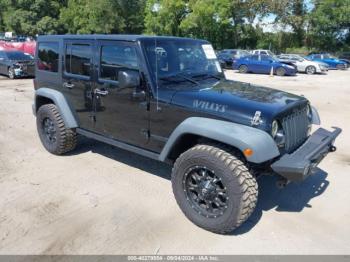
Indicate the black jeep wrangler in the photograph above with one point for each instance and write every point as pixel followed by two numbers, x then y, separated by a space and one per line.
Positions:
pixel 167 98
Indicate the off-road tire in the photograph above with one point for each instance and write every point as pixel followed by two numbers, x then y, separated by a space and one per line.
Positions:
pixel 310 70
pixel 66 139
pixel 241 187
pixel 243 69
pixel 11 73
pixel 280 71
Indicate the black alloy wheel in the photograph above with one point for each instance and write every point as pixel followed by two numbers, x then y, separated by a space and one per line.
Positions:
pixel 205 191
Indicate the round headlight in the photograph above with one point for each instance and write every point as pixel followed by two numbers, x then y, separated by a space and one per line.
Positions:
pixel 274 128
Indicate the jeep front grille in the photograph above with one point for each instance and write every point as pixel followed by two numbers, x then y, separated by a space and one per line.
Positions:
pixel 295 128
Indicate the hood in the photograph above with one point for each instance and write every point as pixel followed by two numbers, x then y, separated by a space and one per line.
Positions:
pixel 238 102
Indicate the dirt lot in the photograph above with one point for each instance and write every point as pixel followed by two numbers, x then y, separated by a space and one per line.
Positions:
pixel 101 200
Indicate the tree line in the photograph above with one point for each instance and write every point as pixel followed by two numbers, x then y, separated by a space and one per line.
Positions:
pixel 300 25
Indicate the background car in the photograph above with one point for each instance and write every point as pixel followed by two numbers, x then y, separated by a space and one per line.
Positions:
pixel 331 61
pixel 16 64
pixel 262 64
pixel 228 57
pixel 304 65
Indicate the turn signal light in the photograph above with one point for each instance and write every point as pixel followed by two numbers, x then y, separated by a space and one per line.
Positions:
pixel 248 152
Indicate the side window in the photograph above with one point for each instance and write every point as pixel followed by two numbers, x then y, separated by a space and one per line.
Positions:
pixel 48 57
pixel 115 58
pixel 78 59
pixel 263 53
pixel 255 57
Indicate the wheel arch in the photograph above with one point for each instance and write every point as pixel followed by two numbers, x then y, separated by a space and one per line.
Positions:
pixel 196 129
pixel 46 96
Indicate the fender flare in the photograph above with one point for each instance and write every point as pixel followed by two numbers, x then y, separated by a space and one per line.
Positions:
pixel 315 116
pixel 237 135
pixel 61 103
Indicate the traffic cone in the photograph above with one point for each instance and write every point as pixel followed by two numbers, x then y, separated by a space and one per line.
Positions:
pixel 271 71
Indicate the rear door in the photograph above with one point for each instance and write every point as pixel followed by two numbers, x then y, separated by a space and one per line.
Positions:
pixel 77 78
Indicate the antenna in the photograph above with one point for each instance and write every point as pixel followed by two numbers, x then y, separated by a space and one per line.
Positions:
pixel 157 86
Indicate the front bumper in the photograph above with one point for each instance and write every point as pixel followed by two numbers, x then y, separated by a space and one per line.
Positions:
pixel 303 162
pixel 20 72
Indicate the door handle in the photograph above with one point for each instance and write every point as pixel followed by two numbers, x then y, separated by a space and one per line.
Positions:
pixel 68 85
pixel 101 92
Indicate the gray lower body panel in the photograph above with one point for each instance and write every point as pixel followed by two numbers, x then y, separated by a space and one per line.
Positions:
pixel 302 162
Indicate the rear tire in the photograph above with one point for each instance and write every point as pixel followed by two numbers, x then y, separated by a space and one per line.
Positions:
pixel 310 70
pixel 243 69
pixel 55 137
pixel 219 201
pixel 281 71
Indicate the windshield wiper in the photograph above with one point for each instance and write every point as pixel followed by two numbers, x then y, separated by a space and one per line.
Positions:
pixel 206 75
pixel 179 75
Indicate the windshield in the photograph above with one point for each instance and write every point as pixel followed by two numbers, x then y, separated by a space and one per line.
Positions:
pixel 182 59
pixel 18 56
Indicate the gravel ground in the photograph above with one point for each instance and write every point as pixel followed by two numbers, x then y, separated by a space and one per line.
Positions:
pixel 102 200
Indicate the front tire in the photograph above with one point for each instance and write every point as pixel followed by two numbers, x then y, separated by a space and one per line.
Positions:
pixel 55 137
pixel 11 73
pixel 243 69
pixel 340 67
pixel 213 188
pixel 310 70
pixel 281 71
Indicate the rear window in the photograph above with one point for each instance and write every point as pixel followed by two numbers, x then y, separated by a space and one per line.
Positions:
pixel 48 57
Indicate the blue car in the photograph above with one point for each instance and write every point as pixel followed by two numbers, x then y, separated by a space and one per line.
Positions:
pixel 331 61
pixel 262 64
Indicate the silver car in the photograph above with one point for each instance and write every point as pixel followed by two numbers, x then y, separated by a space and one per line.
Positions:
pixel 303 64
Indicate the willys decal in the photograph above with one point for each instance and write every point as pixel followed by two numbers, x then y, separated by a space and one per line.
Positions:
pixel 205 105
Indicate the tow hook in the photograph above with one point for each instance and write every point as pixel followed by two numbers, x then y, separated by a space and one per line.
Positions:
pixel 282 183
pixel 332 149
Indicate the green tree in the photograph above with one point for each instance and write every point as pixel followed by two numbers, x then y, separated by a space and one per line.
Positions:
pixel 164 17
pixel 91 16
pixel 330 24
pixel 31 16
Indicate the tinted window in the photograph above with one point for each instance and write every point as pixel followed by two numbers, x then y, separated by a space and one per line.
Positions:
pixel 265 58
pixel 115 58
pixel 78 59
pixel 263 53
pixel 255 57
pixel 48 57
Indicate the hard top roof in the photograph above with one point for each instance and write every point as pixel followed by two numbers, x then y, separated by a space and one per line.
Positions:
pixel 132 38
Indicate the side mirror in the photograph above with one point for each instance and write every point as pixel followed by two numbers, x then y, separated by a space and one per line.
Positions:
pixel 128 79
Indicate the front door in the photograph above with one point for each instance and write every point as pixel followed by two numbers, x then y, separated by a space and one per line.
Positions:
pixel 120 113
pixel 78 79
